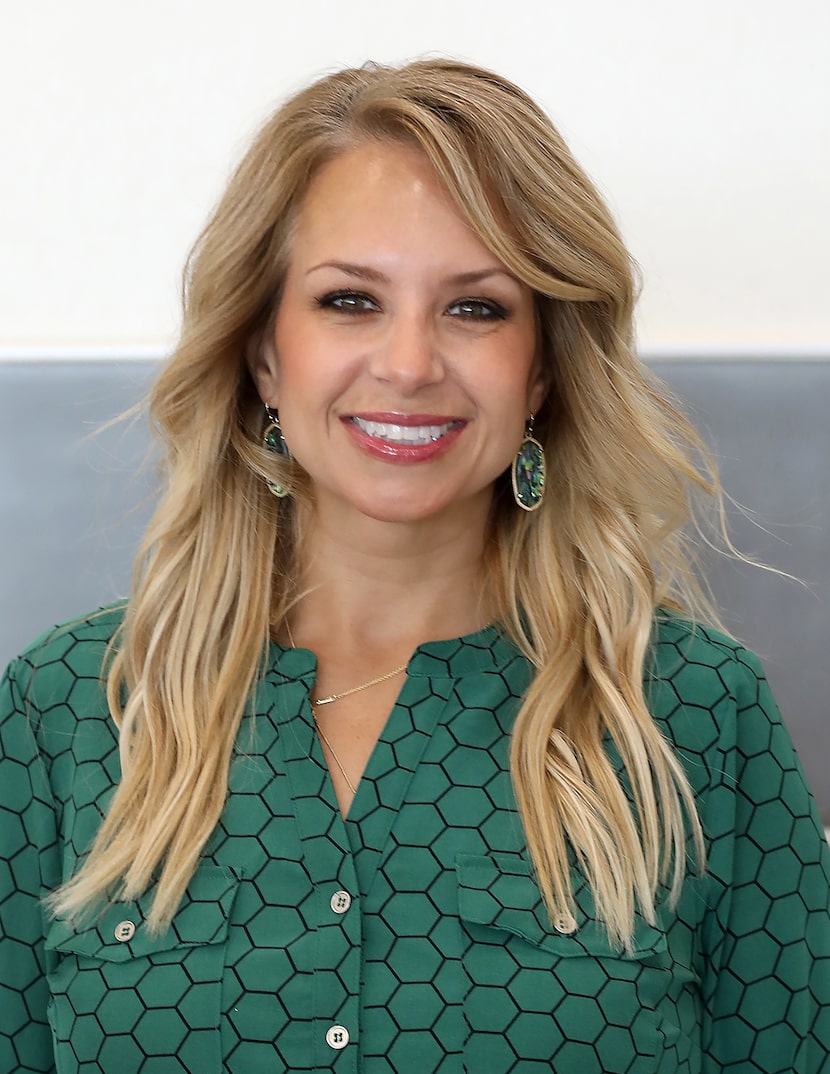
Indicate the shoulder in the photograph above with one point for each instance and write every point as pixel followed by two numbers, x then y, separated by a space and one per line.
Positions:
pixel 711 697
pixel 698 660
pixel 61 671
pixel 58 741
pixel 71 649
pixel 101 623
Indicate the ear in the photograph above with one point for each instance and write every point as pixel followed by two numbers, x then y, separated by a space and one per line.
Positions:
pixel 261 357
pixel 537 387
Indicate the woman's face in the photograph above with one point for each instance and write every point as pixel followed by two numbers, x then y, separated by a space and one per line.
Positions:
pixel 404 362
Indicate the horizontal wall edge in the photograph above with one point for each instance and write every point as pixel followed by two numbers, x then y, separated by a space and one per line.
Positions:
pixel 155 353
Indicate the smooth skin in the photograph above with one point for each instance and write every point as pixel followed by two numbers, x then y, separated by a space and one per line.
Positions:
pixel 404 365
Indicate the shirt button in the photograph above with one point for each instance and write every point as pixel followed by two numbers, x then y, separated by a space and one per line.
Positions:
pixel 124 931
pixel 341 901
pixel 337 1037
pixel 565 923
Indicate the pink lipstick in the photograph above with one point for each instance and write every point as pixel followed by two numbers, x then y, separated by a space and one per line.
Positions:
pixel 405 438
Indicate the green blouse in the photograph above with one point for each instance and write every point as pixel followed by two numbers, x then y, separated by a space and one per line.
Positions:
pixel 411 937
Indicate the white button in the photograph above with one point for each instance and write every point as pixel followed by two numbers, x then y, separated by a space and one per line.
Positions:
pixel 337 1037
pixel 124 931
pixel 565 923
pixel 341 901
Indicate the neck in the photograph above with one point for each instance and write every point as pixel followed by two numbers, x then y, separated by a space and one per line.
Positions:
pixel 389 587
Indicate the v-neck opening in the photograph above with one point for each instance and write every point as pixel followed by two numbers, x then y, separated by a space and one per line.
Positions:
pixel 389 771
pixel 356 842
pixel 346 818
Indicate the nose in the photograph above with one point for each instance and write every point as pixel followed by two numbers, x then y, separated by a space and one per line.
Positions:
pixel 407 356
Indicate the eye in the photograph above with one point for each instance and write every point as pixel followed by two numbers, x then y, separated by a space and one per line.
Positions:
pixel 349 302
pixel 478 309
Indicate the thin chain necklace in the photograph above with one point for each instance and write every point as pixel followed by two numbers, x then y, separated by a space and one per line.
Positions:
pixel 336 697
pixel 355 689
pixel 335 758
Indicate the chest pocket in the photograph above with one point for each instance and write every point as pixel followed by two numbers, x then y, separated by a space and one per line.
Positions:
pixel 567 999
pixel 128 1001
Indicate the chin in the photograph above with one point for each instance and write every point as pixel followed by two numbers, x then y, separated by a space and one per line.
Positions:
pixel 403 514
pixel 415 512
pixel 398 502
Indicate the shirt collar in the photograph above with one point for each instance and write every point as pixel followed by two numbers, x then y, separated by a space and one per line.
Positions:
pixel 489 649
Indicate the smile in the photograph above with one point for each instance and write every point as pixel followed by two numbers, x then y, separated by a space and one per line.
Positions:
pixel 404 434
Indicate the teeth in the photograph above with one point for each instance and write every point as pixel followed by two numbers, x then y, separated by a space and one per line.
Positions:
pixel 403 434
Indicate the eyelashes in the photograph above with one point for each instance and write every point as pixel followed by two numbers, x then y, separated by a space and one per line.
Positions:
pixel 354 303
pixel 348 302
pixel 479 309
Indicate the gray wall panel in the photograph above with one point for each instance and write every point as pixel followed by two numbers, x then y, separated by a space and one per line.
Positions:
pixel 73 496
pixel 766 423
pixel 72 506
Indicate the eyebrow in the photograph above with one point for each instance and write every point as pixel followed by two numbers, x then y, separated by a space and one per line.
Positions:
pixel 364 272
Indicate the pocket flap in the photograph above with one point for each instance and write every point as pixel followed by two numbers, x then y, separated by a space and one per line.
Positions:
pixel 500 892
pixel 118 933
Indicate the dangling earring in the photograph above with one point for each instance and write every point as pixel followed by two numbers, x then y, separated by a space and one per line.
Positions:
pixel 274 442
pixel 528 472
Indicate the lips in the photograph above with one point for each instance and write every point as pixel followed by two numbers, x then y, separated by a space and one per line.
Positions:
pixel 404 437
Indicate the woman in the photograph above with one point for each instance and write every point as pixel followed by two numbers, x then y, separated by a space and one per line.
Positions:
pixel 405 758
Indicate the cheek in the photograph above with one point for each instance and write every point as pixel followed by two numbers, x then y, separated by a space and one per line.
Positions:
pixel 297 362
pixel 311 357
pixel 514 386
pixel 288 335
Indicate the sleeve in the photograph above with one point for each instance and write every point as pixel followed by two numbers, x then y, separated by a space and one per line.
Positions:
pixel 766 976
pixel 28 856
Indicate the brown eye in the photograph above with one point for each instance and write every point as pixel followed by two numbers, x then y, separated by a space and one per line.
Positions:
pixel 478 309
pixel 348 302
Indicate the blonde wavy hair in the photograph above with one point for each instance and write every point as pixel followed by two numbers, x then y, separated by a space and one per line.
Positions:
pixel 577 583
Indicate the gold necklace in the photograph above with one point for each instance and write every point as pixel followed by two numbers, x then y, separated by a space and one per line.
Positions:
pixel 336 697
pixel 335 758
pixel 355 689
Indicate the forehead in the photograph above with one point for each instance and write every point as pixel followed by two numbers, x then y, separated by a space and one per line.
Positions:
pixel 375 179
pixel 377 193
pixel 373 166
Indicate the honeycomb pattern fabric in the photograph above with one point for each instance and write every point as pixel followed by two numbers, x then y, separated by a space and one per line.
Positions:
pixel 410 938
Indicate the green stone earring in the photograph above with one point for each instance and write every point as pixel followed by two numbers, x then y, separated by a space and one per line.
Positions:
pixel 274 442
pixel 528 472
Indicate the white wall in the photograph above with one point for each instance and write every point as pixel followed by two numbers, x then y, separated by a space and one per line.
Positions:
pixel 707 123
